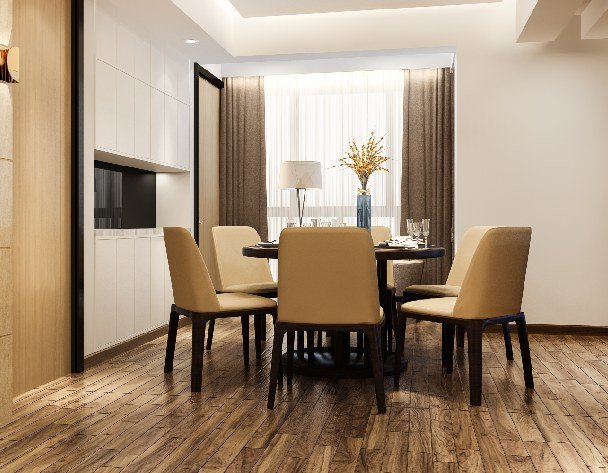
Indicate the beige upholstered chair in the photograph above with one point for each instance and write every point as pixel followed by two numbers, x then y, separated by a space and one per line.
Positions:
pixel 399 275
pixel 239 274
pixel 491 293
pixel 451 288
pixel 327 281
pixel 195 297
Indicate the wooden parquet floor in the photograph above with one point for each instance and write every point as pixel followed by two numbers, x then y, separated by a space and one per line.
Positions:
pixel 126 415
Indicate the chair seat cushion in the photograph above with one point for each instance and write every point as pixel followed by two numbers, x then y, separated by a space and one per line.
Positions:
pixel 438 290
pixel 253 288
pixel 244 302
pixel 443 307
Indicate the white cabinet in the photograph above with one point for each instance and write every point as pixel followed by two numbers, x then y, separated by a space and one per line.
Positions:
pixel 171 75
pixel 157 128
pixel 183 140
pixel 142 93
pixel 157 68
pixel 142 60
pixel 105 293
pixel 159 312
pixel 105 106
pixel 133 291
pixel 171 135
pixel 142 120
pixel 125 114
pixel 105 36
pixel 183 85
pixel 125 288
pixel 142 285
pixel 125 51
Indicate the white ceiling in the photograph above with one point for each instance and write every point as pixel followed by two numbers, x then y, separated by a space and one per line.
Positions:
pixel 259 8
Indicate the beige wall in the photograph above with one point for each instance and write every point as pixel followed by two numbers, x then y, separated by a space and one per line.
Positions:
pixel 41 217
pixel 6 223
pixel 532 133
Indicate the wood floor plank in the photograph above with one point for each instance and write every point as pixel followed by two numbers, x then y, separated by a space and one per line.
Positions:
pixel 127 415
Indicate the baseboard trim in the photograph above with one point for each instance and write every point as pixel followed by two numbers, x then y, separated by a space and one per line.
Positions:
pixel 123 347
pixel 548 329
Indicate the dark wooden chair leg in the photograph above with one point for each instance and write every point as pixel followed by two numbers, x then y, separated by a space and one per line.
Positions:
pixel 373 335
pixel 524 346
pixel 275 365
pixel 263 327
pixel 171 338
pixel 400 342
pixel 257 335
pixel 245 333
pixel 320 339
pixel 474 338
pixel 290 349
pixel 359 345
pixel 300 336
pixel 449 348
pixel 310 346
pixel 198 339
pixel 443 344
pixel 210 334
pixel 460 336
pixel 507 336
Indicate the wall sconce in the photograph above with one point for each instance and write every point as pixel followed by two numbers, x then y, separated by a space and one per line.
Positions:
pixel 9 64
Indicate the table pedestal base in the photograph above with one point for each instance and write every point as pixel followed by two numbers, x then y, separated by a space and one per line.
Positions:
pixel 324 365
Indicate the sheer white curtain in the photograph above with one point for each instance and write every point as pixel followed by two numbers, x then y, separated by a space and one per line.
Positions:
pixel 313 117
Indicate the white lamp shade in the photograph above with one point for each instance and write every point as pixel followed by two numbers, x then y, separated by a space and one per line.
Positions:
pixel 300 175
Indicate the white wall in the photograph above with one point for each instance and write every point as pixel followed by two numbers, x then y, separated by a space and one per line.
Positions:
pixel 532 137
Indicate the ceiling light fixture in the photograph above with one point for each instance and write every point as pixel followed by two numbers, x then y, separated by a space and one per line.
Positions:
pixel 191 41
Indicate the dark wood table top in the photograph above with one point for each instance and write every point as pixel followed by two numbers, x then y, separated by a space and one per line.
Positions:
pixel 382 253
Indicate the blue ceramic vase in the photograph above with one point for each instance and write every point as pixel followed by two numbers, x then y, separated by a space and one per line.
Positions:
pixel 364 211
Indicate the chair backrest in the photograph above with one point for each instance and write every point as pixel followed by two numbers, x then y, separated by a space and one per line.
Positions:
pixel 327 276
pixel 192 286
pixel 380 234
pixel 233 267
pixel 462 259
pixel 494 283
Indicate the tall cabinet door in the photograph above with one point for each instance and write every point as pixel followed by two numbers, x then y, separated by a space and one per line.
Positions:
pixel 142 321
pixel 157 111
pixel 105 293
pixel 209 149
pixel 125 114
pixel 142 120
pixel 105 106
pixel 125 288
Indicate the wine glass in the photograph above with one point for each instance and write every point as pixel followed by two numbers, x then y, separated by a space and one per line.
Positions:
pixel 409 225
pixel 426 230
pixel 416 230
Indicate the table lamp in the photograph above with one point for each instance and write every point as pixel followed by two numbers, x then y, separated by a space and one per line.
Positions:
pixel 300 175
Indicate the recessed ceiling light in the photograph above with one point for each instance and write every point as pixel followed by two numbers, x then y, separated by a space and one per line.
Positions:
pixel 191 41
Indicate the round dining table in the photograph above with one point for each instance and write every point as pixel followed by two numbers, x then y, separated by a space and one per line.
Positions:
pixel 340 359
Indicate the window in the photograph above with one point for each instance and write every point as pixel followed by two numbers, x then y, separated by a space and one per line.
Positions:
pixel 312 117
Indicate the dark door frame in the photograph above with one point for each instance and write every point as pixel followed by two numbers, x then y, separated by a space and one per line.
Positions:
pixel 77 188
pixel 199 73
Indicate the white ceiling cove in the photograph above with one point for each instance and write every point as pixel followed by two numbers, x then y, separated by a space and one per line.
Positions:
pixel 260 8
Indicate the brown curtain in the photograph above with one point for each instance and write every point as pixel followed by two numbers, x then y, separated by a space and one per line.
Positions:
pixel 243 154
pixel 427 187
